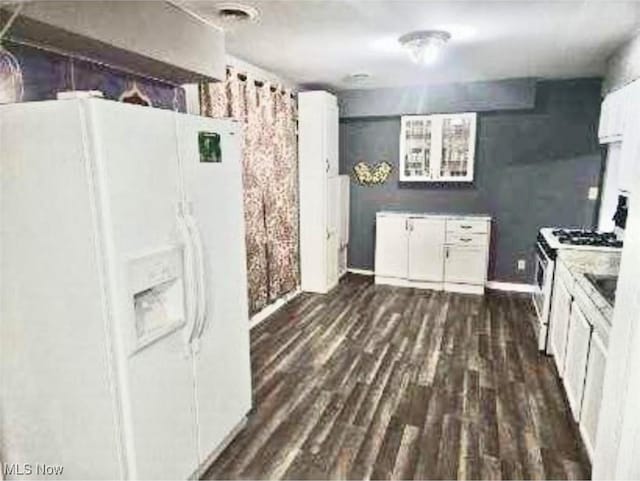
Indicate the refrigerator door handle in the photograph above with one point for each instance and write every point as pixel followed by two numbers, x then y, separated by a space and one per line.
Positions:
pixel 200 277
pixel 190 285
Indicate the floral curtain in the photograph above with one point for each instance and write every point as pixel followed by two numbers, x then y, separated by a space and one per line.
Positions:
pixel 270 177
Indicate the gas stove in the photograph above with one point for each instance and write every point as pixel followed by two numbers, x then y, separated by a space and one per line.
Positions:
pixel 580 237
pixel 551 239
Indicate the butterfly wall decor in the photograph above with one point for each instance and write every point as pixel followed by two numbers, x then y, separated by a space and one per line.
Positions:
pixel 370 174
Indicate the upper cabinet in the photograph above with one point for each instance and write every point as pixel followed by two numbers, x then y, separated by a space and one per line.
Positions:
pixel 437 148
pixel 612 117
pixel 630 148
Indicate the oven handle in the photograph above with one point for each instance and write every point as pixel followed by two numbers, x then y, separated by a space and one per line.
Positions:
pixel 541 253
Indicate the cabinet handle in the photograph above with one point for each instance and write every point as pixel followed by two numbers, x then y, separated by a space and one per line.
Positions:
pixel 466 239
pixel 446 252
pixel 327 163
pixel 406 224
pixel 465 227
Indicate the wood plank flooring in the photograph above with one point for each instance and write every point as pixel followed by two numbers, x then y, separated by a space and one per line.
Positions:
pixel 378 382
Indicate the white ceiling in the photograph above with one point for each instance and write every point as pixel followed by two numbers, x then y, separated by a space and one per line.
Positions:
pixel 320 42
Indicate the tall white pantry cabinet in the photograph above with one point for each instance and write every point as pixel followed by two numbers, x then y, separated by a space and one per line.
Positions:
pixel 323 203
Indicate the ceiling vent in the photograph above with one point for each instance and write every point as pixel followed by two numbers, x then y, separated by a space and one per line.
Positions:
pixel 236 13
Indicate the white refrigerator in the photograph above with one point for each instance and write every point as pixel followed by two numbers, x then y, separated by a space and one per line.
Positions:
pixel 124 342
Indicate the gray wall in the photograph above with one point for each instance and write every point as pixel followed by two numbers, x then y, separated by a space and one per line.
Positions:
pixel 533 169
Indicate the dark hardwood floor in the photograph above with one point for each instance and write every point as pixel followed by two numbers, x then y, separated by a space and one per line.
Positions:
pixel 378 382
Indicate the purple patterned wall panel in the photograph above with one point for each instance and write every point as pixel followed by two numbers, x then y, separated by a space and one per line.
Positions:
pixel 45 74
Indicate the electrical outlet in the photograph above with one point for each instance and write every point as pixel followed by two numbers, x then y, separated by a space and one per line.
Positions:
pixel 521 264
pixel 593 193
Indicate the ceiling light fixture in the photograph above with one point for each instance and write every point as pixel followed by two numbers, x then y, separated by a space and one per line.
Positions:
pixel 424 46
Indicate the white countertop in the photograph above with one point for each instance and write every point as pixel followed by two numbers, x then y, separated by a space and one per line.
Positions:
pixel 579 263
pixel 436 214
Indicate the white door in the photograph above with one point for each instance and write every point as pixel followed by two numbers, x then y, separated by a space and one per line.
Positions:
pixel 593 392
pixel 333 235
pixel 465 265
pixel 331 130
pixel 392 246
pixel 575 365
pixel 426 249
pixel 221 354
pixel 139 183
pixel 559 323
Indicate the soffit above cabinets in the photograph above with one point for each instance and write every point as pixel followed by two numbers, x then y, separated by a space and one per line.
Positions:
pixel 156 39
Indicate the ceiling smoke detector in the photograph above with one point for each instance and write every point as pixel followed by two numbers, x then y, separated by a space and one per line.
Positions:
pixel 424 46
pixel 231 14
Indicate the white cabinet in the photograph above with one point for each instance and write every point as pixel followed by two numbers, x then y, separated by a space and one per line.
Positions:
pixel 332 124
pixel 426 239
pixel 630 148
pixel 437 148
pixel 559 323
pixel 575 366
pixel 465 265
pixel 593 392
pixel 333 231
pixel 432 251
pixel 612 117
pixel 319 190
pixel 392 246
pixel 343 229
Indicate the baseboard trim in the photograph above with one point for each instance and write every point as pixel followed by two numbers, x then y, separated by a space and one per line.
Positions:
pixel 271 308
pixel 362 272
pixel 511 286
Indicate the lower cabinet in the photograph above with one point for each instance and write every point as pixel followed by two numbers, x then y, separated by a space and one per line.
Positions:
pixel 465 265
pixel 559 323
pixel 435 252
pixel 575 364
pixel 577 340
pixel 593 392
pixel 392 247
pixel 426 249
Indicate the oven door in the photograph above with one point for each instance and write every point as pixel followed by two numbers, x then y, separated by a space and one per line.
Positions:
pixel 542 294
pixel 542 263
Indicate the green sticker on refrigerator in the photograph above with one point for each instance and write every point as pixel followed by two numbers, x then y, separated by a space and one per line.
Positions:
pixel 209 147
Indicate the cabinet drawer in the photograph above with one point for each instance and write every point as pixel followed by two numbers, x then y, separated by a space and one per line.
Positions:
pixel 462 226
pixel 464 239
